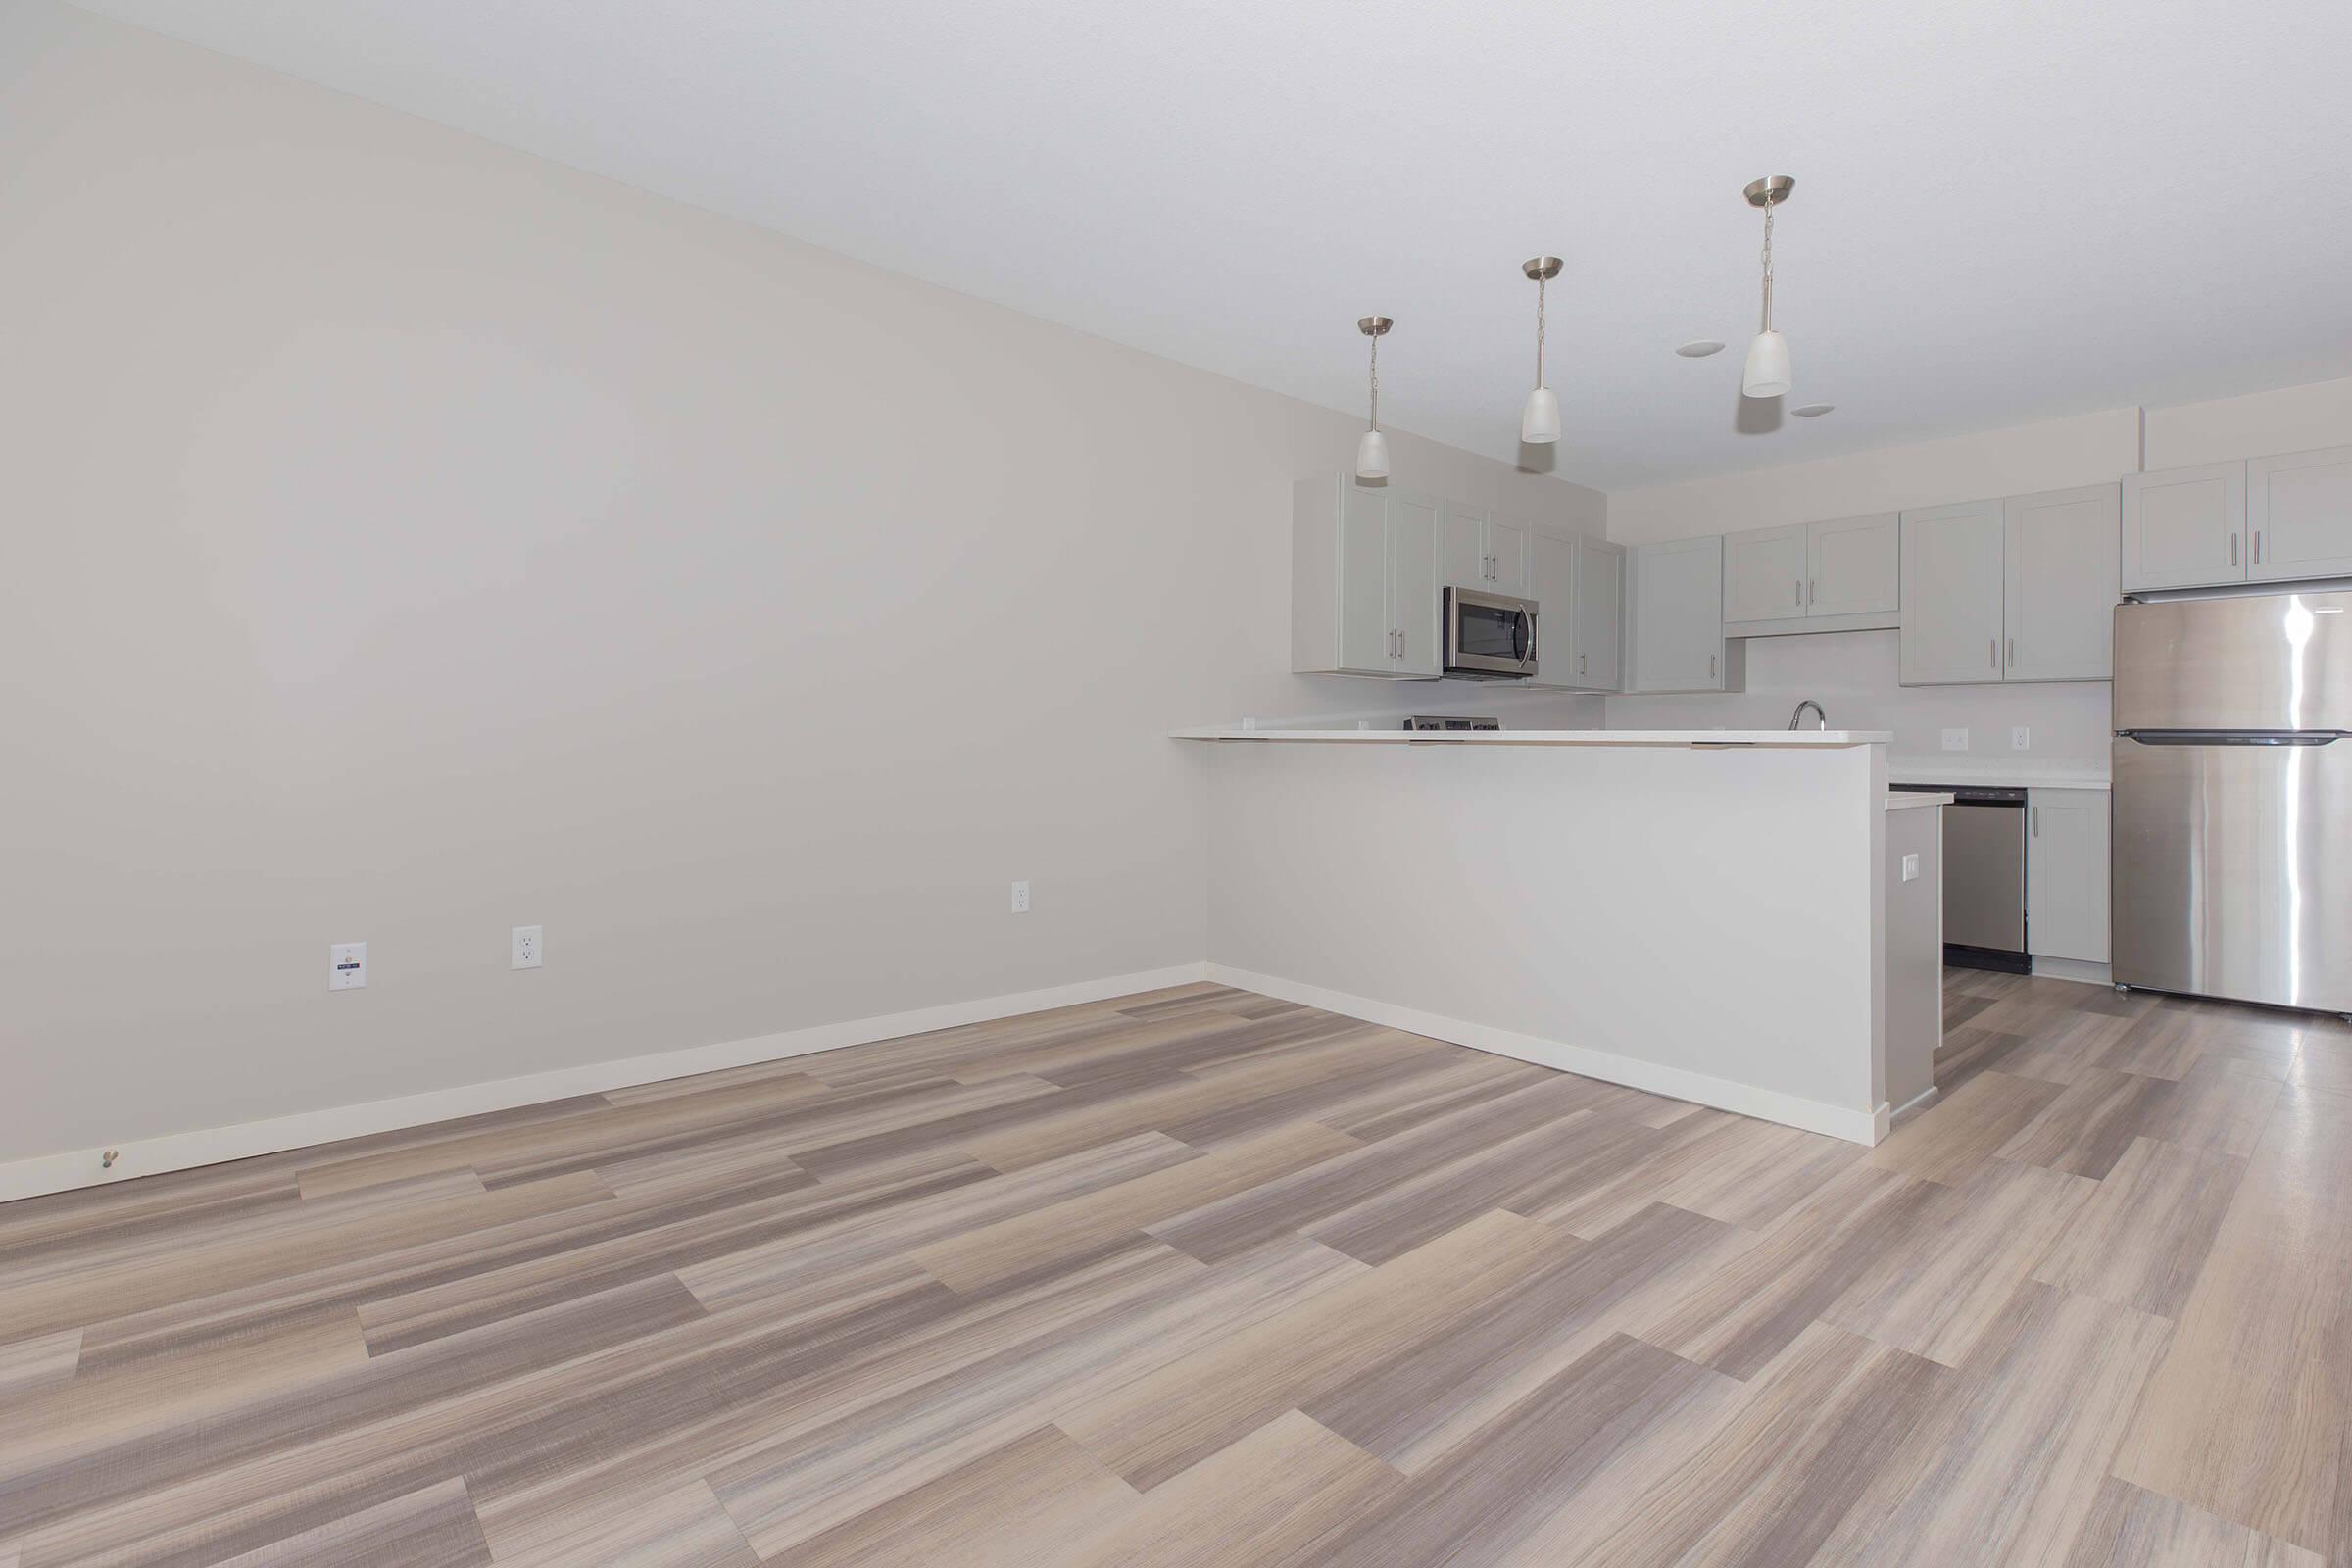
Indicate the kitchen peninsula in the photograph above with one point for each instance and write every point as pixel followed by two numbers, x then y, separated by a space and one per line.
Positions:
pixel 1703 914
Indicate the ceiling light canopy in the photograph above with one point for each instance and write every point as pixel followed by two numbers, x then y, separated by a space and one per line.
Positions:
pixel 1767 375
pixel 1539 420
pixel 1372 452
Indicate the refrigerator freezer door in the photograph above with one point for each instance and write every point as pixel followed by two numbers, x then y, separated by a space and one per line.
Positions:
pixel 2230 871
pixel 2262 662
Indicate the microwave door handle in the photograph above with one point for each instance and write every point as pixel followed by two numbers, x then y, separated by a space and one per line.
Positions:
pixel 1520 620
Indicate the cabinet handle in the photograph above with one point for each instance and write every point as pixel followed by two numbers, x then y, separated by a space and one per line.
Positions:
pixel 1993 651
pixel 2258 546
pixel 2038 822
pixel 2234 550
pixel 1710 667
pixel 1814 591
pixel 1580 663
pixel 1796 591
pixel 2012 653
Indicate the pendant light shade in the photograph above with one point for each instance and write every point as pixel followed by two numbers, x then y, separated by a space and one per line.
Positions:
pixel 1767 373
pixel 1539 420
pixel 1372 452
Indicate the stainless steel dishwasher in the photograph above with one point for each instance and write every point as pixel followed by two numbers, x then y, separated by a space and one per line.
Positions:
pixel 1983 876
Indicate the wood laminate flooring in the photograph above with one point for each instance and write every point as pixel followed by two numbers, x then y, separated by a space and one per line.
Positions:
pixel 1205 1278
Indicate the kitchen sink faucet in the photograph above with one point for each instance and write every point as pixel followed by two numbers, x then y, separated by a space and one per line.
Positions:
pixel 1817 713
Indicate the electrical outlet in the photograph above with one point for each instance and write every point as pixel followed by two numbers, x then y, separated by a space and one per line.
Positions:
pixel 1955 740
pixel 526 948
pixel 1021 898
pixel 2021 739
pixel 347 966
pixel 1911 868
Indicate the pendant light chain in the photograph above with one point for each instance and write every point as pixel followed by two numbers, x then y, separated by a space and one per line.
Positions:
pixel 1539 313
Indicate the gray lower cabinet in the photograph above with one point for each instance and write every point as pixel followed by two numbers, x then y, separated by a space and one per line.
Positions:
pixel 2067 874
pixel 1578 584
pixel 1674 596
pixel 1364 580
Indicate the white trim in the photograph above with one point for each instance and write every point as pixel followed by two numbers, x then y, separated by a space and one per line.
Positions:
pixel 1768 1105
pixel 148 1156
pixel 2081 970
pixel 1916 1104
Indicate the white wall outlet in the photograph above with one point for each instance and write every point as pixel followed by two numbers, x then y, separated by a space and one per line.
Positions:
pixel 2021 739
pixel 1911 868
pixel 526 948
pixel 1021 898
pixel 1249 724
pixel 1955 740
pixel 347 966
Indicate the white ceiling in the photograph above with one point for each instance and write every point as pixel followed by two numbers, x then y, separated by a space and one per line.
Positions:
pixel 2004 209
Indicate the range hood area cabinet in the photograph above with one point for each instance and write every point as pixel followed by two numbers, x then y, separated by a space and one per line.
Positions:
pixel 1365 570
pixel 2021 589
pixel 1485 551
pixel 1673 598
pixel 2256 519
pixel 1840 575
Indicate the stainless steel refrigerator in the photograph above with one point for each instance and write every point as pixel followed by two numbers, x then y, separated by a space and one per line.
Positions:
pixel 2233 798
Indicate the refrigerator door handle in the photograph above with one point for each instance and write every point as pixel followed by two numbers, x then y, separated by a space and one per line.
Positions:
pixel 2231 737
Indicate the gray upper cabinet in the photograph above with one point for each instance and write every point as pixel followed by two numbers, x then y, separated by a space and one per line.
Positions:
pixel 2021 589
pixel 1952 587
pixel 1850 567
pixel 1579 588
pixel 1596 635
pixel 1764 574
pixel 1674 591
pixel 1840 575
pixel 1485 551
pixel 2184 527
pixel 1364 570
pixel 2058 603
pixel 2299 515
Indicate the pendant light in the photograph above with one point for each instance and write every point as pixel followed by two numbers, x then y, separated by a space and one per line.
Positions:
pixel 1539 420
pixel 1767 373
pixel 1372 452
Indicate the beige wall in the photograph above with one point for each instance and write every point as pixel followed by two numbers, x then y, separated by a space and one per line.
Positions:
pixel 1854 673
pixel 408 538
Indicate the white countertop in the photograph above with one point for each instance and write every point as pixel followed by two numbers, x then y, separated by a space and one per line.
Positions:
pixel 1906 799
pixel 1996 774
pixel 1695 738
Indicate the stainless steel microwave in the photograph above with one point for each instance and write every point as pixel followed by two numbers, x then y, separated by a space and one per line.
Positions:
pixel 1489 636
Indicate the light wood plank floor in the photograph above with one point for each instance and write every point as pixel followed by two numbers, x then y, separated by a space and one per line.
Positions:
pixel 1200 1277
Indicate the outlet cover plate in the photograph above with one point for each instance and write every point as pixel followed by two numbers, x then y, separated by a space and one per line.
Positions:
pixel 1955 740
pixel 2021 739
pixel 526 948
pixel 347 966
pixel 1020 904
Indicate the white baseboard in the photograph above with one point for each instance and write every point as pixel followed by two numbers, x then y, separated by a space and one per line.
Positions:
pixel 1916 1104
pixel 148 1156
pixel 1724 1094
pixel 2079 969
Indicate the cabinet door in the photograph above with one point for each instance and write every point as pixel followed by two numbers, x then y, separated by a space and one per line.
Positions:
pixel 2299 513
pixel 1952 594
pixel 1413 539
pixel 1851 566
pixel 1551 584
pixel 1506 557
pixel 2058 602
pixel 1465 547
pixel 1600 614
pixel 1367 641
pixel 2184 527
pixel 1677 618
pixel 1764 574
pixel 2066 874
